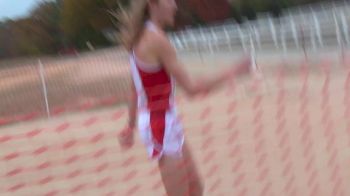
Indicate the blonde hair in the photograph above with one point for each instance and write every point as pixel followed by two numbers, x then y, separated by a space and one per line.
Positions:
pixel 131 22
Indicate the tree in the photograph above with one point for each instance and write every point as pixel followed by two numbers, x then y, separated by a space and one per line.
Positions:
pixel 47 16
pixel 210 10
pixel 34 35
pixel 84 20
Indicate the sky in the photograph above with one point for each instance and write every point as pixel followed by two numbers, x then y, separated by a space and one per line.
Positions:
pixel 16 8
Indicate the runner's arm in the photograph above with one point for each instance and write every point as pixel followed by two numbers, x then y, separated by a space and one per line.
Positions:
pixel 132 107
pixel 167 55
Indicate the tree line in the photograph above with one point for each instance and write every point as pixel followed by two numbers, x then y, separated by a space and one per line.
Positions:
pixel 56 26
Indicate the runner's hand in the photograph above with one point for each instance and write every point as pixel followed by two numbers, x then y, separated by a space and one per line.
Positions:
pixel 126 138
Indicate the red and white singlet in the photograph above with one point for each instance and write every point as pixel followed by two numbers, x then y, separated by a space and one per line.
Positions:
pixel 159 127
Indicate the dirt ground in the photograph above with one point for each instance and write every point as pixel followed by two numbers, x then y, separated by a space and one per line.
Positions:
pixel 245 142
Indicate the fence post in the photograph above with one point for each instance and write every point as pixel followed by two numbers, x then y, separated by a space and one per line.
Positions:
pixel 318 29
pixel 210 41
pixel 295 33
pixel 242 38
pixel 339 38
pixel 257 37
pixel 192 40
pixel 200 45
pixel 284 44
pixel 337 29
pixel 43 83
pixel 227 36
pixel 312 37
pixel 303 42
pixel 273 31
pixel 346 37
pixel 255 68
pixel 214 40
pixel 183 37
pixel 345 27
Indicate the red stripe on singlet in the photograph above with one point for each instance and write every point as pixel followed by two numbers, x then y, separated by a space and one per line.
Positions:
pixel 157 86
pixel 157 121
pixel 158 89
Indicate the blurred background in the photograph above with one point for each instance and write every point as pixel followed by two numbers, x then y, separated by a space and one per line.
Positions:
pixel 68 26
pixel 64 77
pixel 63 55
